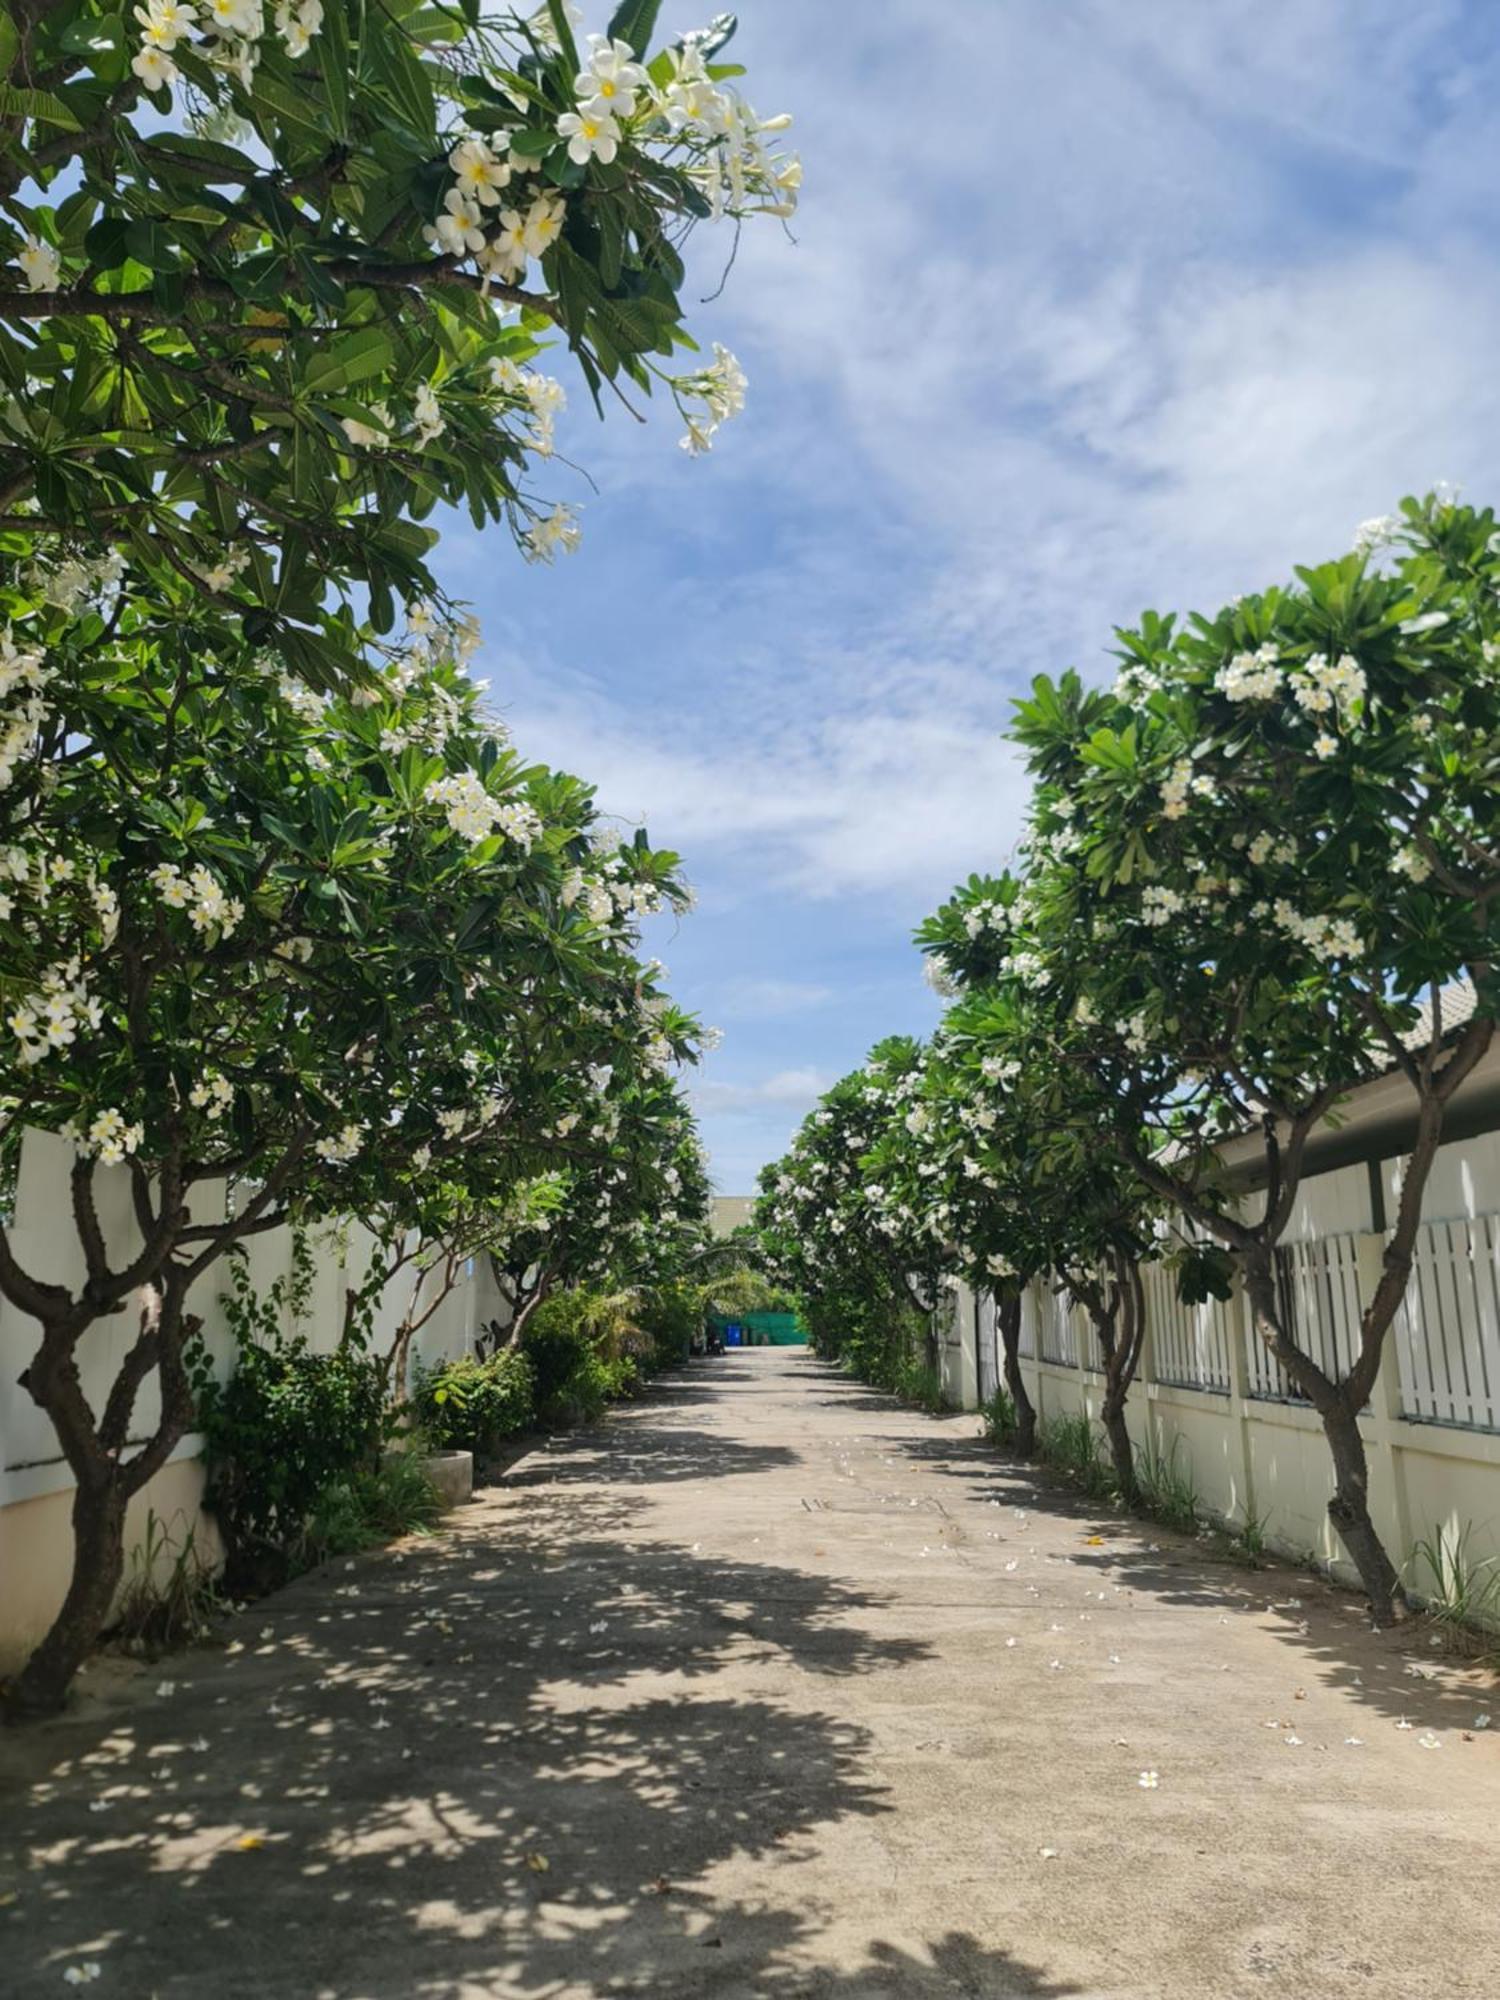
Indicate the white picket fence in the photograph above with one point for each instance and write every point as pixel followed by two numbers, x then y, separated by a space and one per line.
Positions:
pixel 1209 1387
pixel 1448 1334
pixel 1446 1338
pixel 1191 1343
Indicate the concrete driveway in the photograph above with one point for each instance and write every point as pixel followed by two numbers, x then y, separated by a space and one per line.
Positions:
pixel 768 1687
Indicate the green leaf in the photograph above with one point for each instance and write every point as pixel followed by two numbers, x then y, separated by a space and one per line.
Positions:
pixel 562 27
pixel 355 357
pixel 41 105
pixel 394 65
pixel 634 21
pixel 291 105
pixel 721 29
pixel 565 172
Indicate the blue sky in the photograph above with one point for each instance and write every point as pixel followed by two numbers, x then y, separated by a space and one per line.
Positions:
pixel 1091 305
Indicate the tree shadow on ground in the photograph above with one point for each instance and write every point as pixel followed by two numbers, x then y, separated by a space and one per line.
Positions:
pixel 1398 1673
pixel 642 1452
pixel 442 1770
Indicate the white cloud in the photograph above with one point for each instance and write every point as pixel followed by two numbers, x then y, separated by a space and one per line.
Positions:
pixel 768 998
pixel 792 1089
pixel 899 798
pixel 1203 288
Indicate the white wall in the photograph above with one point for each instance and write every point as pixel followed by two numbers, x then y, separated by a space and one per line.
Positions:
pixel 1432 1430
pixel 35 1481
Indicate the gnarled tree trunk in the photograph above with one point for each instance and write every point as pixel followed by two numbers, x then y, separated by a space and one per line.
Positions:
pixel 1008 1320
pixel 107 1481
pixel 98 1566
pixel 1338 1405
pixel 1117 1308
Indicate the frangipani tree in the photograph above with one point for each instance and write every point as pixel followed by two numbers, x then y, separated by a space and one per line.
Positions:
pixel 633 1191
pixel 278 273
pixel 1253 864
pixel 835 1234
pixel 590 1122
pixel 314 945
pixel 1009 1204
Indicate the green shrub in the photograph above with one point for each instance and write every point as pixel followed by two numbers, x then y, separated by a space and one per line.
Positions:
pixel 171 1597
pixel 286 1425
pixel 370 1505
pixel 669 1315
pixel 918 1383
pixel 574 1342
pixel 1459 1588
pixel 473 1405
pixel 1168 1491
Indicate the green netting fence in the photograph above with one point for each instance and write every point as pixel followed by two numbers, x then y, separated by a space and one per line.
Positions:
pixel 760 1330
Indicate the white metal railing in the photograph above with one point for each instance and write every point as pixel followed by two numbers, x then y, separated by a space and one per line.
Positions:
pixel 1189 1344
pixel 1447 1332
pixel 1319 1293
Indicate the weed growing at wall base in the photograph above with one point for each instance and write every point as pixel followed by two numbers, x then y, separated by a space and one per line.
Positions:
pixel 1070 1445
pixel 1167 1489
pixel 1460 1588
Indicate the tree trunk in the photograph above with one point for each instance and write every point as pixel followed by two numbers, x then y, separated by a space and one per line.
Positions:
pixel 1008 1318
pixel 1349 1507
pixel 525 1304
pixel 1121 1450
pixel 98 1566
pixel 1349 1511
pixel 1117 1307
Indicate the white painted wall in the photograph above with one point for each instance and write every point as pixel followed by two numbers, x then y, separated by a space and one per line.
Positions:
pixel 1251 1454
pixel 35 1482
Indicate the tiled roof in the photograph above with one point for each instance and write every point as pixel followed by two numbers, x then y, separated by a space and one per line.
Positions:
pixel 1456 1004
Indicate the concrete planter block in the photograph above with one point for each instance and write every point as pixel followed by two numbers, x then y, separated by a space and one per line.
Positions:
pixel 452 1473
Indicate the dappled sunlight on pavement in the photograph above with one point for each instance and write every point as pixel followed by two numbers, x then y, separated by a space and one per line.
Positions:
pixel 767 1687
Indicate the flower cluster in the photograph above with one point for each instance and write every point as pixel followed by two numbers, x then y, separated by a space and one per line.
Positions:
pixel 1182 783
pixel 615 100
pixel 472 812
pixel 551 532
pixel 1411 862
pixel 607 91
pixel 210 911
pixel 1326 938
pixel 1375 533
pixel 721 389
pixel 1322 687
pixel 233 30
pixel 543 396
pixel 340 1147
pixel 111 1139
pixel 213 1096
pixel 1250 676
pixel 22 677
pixel 51 1019
pixel 1159 905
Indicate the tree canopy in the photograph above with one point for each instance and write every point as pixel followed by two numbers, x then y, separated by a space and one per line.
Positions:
pixel 278 276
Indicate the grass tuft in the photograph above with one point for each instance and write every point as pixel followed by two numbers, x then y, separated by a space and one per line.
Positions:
pixel 1461 1589
pixel 1168 1491
pixel 1070 1445
pixel 171 1598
